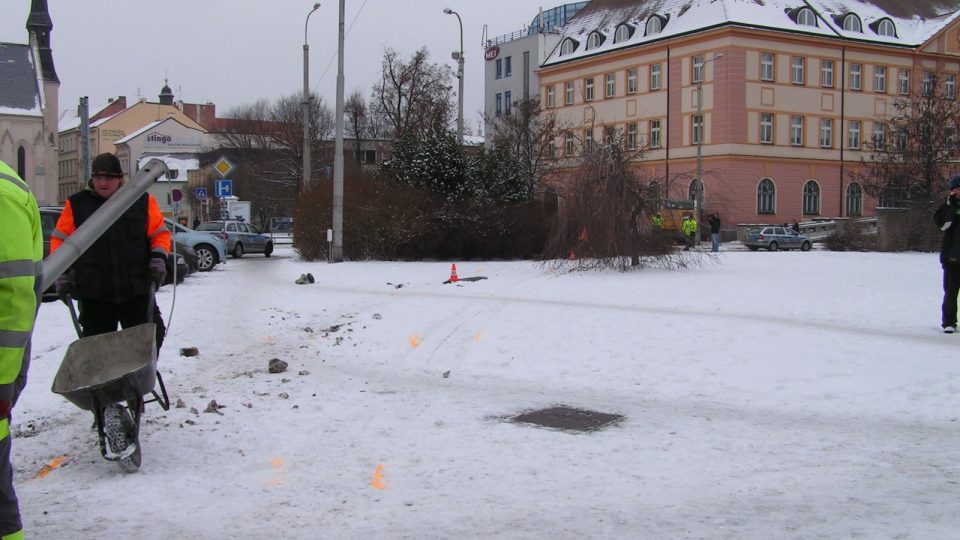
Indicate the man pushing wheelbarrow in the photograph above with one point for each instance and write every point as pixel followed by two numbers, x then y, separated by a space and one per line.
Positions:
pixel 113 282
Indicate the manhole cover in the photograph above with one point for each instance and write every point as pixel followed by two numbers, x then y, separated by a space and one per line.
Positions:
pixel 563 417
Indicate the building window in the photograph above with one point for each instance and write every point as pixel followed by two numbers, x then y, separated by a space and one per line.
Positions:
pixel 551 97
pixel 568 93
pixel 508 66
pixel 826 133
pixel 766 197
pixel 927 83
pixel 766 128
pixel 879 79
pixel 698 68
pixel 631 136
pixel 608 135
pixel 654 77
pixel 796 70
pixel 886 28
pixel 499 104
pixel 654 26
pixel 695 192
pixel 507 103
pixel 568 144
pixel 588 91
pixel 568 47
pixel 806 17
pixel 697 129
pixel 796 130
pixel 654 134
pixel 878 134
pixel 499 67
pixel 826 73
pixel 632 81
pixel 902 139
pixel 611 85
pixel 594 40
pixel 587 140
pixel 853 141
pixel 811 198
pixel 904 81
pixel 552 148
pixel 950 86
pixel 766 66
pixel 623 33
pixel 856 76
pixel 526 75
pixel 22 163
pixel 851 23
pixel 854 200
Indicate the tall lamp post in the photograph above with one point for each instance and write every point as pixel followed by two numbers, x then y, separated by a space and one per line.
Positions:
pixel 458 56
pixel 703 126
pixel 305 104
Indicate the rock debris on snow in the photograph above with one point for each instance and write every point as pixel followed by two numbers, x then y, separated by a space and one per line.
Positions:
pixel 283 395
pixel 189 351
pixel 214 407
pixel 276 365
pixel 180 403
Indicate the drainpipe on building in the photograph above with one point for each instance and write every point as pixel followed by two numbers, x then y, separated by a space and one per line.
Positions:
pixel 843 103
pixel 666 139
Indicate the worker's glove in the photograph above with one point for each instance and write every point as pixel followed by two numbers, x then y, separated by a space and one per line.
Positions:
pixel 158 268
pixel 5 407
pixel 65 286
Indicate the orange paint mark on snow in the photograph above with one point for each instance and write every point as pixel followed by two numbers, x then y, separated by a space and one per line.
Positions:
pixel 54 463
pixel 378 478
pixel 277 463
pixel 478 336
pixel 414 341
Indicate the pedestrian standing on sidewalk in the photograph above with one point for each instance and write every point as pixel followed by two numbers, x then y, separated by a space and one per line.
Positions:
pixel 21 250
pixel 714 233
pixel 946 217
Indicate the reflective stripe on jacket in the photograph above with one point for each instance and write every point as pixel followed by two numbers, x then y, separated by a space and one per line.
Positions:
pixel 21 252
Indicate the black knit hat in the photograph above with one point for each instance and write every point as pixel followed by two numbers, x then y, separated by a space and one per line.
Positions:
pixel 106 164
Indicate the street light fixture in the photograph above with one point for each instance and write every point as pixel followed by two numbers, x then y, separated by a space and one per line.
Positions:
pixel 700 190
pixel 458 56
pixel 305 104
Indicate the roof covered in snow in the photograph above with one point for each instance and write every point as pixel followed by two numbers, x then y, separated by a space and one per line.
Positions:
pixel 913 22
pixel 19 91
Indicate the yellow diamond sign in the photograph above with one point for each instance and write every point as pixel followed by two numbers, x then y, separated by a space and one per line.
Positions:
pixel 223 167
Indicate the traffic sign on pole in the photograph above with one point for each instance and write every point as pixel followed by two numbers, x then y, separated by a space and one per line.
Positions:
pixel 223 188
pixel 223 167
pixel 201 193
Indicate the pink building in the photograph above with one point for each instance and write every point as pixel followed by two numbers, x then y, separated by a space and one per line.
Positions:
pixel 792 93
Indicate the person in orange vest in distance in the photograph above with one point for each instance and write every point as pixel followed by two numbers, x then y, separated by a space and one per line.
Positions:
pixel 113 280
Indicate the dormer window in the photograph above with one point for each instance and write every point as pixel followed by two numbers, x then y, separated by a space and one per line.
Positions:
pixel 886 28
pixel 851 23
pixel 567 47
pixel 654 25
pixel 594 40
pixel 624 31
pixel 806 17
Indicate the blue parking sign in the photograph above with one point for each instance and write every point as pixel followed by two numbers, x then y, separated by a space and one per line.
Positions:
pixel 223 188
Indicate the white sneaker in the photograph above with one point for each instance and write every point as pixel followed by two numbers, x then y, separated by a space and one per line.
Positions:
pixel 949 329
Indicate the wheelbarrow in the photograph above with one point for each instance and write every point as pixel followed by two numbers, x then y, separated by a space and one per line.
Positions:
pixel 110 374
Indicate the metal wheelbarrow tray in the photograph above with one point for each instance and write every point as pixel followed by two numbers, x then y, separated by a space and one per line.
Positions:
pixel 109 368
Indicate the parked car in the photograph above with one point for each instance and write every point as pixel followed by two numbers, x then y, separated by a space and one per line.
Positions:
pixel 209 251
pixel 241 237
pixel 774 238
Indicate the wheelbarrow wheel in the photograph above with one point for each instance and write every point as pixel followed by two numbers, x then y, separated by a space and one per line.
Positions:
pixel 119 430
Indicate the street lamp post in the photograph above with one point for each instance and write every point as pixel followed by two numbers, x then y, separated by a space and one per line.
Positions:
pixel 700 197
pixel 305 104
pixel 458 56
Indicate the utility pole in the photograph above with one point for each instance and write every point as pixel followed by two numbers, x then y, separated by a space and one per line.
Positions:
pixel 703 127
pixel 336 254
pixel 84 113
pixel 305 104
pixel 458 56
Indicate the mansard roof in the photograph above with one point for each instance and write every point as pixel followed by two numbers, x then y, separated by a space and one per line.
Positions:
pixel 19 92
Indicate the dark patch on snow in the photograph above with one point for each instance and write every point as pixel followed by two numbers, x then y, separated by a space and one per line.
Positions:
pixel 568 418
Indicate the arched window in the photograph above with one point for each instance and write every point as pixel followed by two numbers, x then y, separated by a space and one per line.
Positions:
pixel 886 28
pixel 766 197
pixel 806 17
pixel 623 33
pixel 22 163
pixel 854 200
pixel 654 25
pixel 851 23
pixel 811 198
pixel 695 192
pixel 594 40
pixel 568 47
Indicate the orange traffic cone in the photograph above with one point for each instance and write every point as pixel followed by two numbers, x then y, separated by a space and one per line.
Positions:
pixel 453 273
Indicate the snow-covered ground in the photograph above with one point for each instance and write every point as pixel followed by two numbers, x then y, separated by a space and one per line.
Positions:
pixel 766 395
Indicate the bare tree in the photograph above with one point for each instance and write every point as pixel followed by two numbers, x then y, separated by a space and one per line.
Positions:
pixel 412 95
pixel 527 135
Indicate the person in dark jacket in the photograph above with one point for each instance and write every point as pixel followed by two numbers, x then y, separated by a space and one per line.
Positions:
pixel 112 280
pixel 946 217
pixel 714 222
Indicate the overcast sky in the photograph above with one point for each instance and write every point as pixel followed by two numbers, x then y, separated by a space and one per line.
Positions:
pixel 231 52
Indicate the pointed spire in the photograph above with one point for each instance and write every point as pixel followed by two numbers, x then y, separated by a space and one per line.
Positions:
pixel 166 94
pixel 40 24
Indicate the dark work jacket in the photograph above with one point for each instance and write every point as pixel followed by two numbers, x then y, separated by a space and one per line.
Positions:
pixel 714 225
pixel 115 268
pixel 950 245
